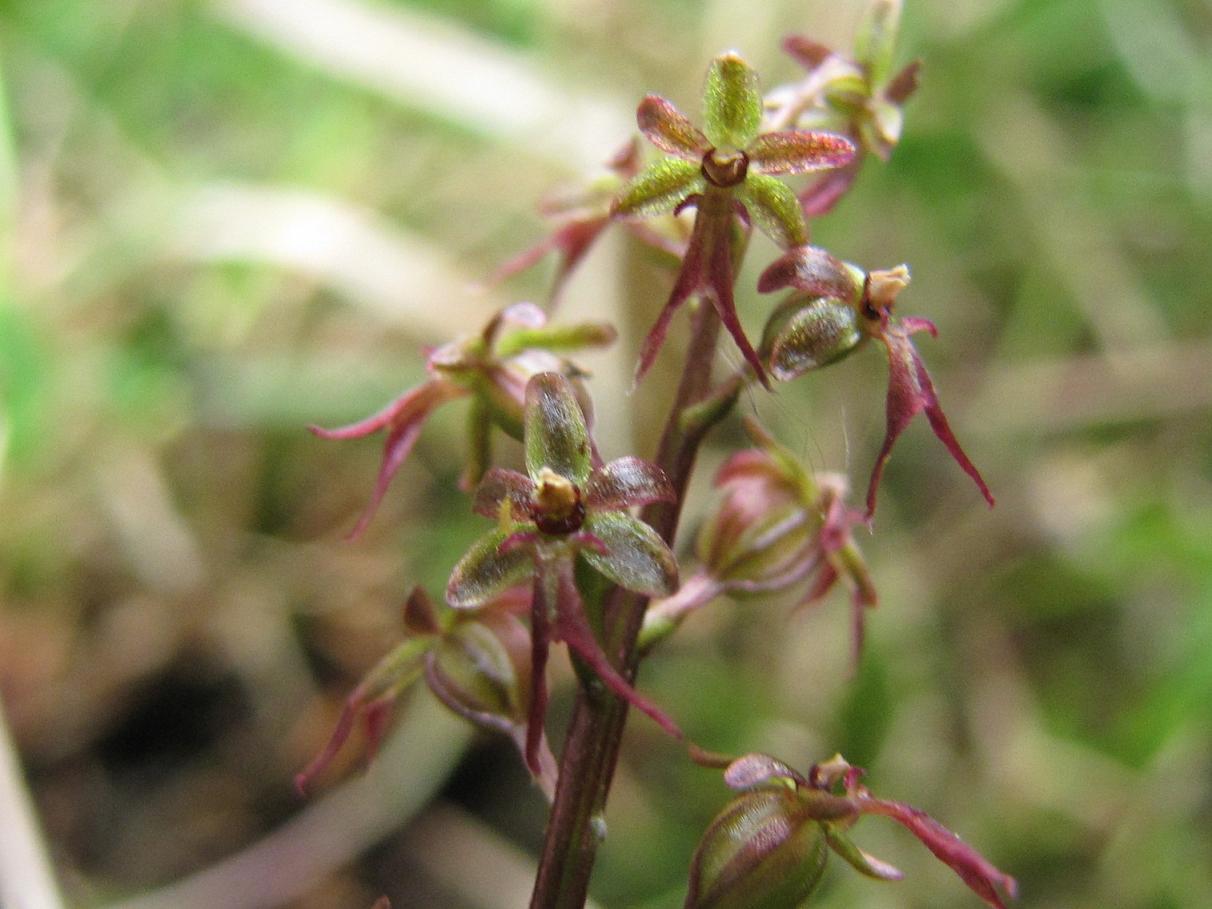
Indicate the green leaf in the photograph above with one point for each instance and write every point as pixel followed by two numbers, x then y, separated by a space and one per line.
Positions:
pixel 660 188
pixel 732 102
pixel 636 558
pixel 555 432
pixel 485 572
pixel 775 209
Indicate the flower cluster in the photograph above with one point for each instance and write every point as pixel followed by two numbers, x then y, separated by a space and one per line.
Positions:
pixel 565 545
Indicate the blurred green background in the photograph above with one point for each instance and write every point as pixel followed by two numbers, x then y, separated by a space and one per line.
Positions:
pixel 224 220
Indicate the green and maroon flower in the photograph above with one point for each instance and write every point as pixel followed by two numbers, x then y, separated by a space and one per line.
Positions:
pixel 768 847
pixel 492 368
pixel 836 308
pixel 860 97
pixel 581 216
pixel 776 526
pixel 476 662
pixel 563 508
pixel 723 170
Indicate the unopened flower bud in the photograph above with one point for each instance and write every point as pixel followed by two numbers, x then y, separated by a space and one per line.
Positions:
pixel 763 849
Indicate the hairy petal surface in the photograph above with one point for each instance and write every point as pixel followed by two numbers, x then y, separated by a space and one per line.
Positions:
pixel 670 130
pixel 775 209
pixel 756 769
pixel 625 482
pixel 732 102
pixel 806 335
pixel 555 433
pixel 488 569
pixel 660 188
pixel 502 485
pixel 796 151
pixel 812 270
pixel 636 558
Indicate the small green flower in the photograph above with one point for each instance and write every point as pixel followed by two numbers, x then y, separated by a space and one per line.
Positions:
pixel 476 662
pixel 561 508
pixel 862 98
pixel 491 367
pixel 725 167
pixel 769 846
pixel 836 308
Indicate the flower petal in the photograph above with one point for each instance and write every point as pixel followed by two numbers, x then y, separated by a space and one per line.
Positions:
pixel 557 338
pixel 670 130
pixel 796 151
pixel 659 188
pixel 821 196
pixel 501 485
pixel 774 208
pixel 973 868
pixel 625 482
pixel 487 570
pixel 875 39
pixel 910 391
pixel 862 862
pixel 572 241
pixel 814 271
pixel 808 53
pixel 405 428
pixel 637 559
pixel 903 84
pixel 555 433
pixel 755 770
pixel 732 102
pixel 371 700
pixel 573 628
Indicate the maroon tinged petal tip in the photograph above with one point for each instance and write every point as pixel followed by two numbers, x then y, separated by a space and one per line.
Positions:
pixel 911 391
pixel 706 270
pixel 975 870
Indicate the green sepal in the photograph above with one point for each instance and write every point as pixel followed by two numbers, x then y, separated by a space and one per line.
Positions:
pixel 556 339
pixel 775 209
pixel 848 93
pixel 485 572
pixel 803 335
pixel 636 558
pixel 555 434
pixel 861 861
pixel 660 187
pixel 875 40
pixel 732 102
